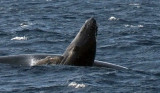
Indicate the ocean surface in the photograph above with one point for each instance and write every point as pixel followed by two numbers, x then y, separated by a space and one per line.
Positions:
pixel 128 35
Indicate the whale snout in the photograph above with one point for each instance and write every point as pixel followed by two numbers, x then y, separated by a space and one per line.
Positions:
pixel 90 27
pixel 91 20
pixel 91 23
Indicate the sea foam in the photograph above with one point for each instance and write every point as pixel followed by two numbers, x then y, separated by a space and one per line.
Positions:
pixel 19 38
pixel 76 85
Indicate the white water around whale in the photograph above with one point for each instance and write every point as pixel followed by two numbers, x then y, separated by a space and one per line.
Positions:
pixel 33 62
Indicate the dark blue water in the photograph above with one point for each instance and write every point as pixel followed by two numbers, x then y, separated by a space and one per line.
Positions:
pixel 129 35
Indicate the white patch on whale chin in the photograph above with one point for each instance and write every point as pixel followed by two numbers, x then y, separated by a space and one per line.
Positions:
pixel 19 38
pixel 76 85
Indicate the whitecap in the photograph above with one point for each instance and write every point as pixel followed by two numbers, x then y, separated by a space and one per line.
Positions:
pixel 25 24
pixel 112 18
pixel 19 38
pixel 135 4
pixel 76 85
pixel 140 25
pixel 72 84
pixel 127 25
pixel 134 26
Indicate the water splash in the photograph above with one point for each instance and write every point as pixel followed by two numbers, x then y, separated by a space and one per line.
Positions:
pixel 33 62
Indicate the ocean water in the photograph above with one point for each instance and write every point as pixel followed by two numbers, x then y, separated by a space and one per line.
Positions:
pixel 128 35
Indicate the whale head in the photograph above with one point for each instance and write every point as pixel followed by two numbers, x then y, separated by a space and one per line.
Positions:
pixel 82 50
pixel 89 29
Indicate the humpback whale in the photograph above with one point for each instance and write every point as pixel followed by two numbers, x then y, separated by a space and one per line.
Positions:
pixel 80 52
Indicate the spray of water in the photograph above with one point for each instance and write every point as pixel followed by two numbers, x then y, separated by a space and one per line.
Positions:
pixel 33 62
